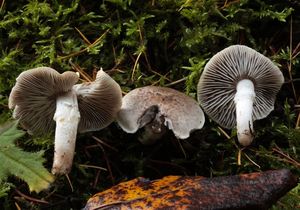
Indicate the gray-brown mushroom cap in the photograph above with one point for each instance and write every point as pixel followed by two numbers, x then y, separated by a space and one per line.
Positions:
pixel 98 102
pixel 182 114
pixel 217 84
pixel 34 97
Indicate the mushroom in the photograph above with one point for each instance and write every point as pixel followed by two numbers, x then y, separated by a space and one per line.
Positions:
pixel 157 108
pixel 239 85
pixel 43 99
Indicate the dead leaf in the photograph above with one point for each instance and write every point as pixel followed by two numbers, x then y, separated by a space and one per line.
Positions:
pixel 247 191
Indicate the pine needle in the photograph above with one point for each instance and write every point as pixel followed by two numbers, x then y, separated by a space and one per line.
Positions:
pixel 70 183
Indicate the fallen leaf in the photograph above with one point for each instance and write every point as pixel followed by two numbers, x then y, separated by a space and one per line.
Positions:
pixel 247 191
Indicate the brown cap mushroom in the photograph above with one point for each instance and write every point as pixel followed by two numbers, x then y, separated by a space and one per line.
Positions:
pixel 42 96
pixel 239 85
pixel 160 107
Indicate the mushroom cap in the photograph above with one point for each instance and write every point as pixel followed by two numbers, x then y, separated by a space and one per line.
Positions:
pixel 181 113
pixel 34 97
pixel 217 84
pixel 98 101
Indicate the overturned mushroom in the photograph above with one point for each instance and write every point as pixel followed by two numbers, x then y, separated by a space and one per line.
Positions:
pixel 157 108
pixel 239 85
pixel 42 94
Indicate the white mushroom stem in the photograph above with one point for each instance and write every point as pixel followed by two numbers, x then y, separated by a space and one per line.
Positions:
pixel 243 99
pixel 67 117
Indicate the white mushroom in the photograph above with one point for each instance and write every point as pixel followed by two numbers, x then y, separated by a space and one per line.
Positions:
pixel 239 85
pixel 42 94
pixel 157 108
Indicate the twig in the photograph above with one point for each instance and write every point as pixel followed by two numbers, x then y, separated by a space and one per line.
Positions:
pixel 224 133
pixel 2 5
pixel 115 70
pixel 17 206
pixel 291 59
pixel 107 164
pixel 97 41
pixel 70 183
pixel 254 163
pixel 226 3
pixel 86 148
pixel 181 148
pixel 298 121
pixel 298 118
pixel 164 76
pixel 239 156
pixel 176 82
pixel 30 198
pixel 140 53
pixel 293 80
pixel 287 157
pixel 77 68
pixel 161 76
pixel 83 37
pixel 96 179
pixel 135 65
pixel 93 166
pixel 105 144
pixel 296 51
pixel 239 159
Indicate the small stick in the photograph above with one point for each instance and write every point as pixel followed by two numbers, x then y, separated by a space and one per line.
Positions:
pixel 181 148
pixel 84 49
pixel 224 133
pixel 254 163
pixel 291 160
pixel 17 206
pixel 107 163
pixel 135 65
pixel 105 144
pixel 70 183
pixel 96 179
pixel 176 82
pixel 81 72
pixel 30 198
pixel 2 5
pixel 239 161
pixel 83 37
pixel 298 122
pixel 93 166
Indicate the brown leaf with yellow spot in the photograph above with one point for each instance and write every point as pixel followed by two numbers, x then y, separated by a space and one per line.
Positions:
pixel 247 191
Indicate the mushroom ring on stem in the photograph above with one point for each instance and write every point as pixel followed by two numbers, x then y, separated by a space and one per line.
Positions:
pixel 239 85
pixel 44 100
pixel 157 108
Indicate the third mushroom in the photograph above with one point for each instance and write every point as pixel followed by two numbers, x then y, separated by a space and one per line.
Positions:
pixel 239 85
pixel 156 108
